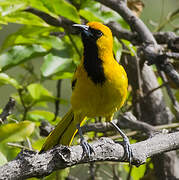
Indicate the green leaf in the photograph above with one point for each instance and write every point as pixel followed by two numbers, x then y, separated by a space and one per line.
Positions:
pixel 28 100
pixel 6 9
pixel 57 7
pixel 89 10
pixel 38 144
pixel 33 35
pixel 137 172
pixel 10 2
pixel 62 75
pixel 39 93
pixel 21 17
pixel 3 159
pixel 92 11
pixel 131 47
pixel 19 54
pixel 38 115
pixel 8 152
pixel 65 9
pixel 117 49
pixel 57 62
pixel 16 132
pixel 42 5
pixel 5 79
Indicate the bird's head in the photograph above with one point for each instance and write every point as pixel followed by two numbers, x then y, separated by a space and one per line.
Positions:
pixel 96 33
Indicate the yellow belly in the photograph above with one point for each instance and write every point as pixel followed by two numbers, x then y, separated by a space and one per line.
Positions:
pixel 95 100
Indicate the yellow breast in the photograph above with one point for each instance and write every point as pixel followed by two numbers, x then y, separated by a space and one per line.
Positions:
pixel 96 99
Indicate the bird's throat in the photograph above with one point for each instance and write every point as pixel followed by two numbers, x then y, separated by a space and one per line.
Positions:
pixel 92 63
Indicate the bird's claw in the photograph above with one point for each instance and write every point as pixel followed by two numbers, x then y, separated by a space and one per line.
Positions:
pixel 87 149
pixel 128 154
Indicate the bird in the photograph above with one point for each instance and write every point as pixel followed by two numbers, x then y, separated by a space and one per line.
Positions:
pixel 99 89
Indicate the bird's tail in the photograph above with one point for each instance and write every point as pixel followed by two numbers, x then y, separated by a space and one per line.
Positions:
pixel 64 132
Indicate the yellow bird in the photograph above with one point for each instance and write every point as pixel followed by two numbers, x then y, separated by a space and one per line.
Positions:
pixel 99 88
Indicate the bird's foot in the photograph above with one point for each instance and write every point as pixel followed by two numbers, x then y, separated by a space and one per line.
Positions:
pixel 128 154
pixel 87 149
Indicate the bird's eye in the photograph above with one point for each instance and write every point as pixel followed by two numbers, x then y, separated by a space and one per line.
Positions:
pixel 98 33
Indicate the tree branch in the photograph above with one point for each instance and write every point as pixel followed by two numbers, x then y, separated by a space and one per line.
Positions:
pixel 169 38
pixel 61 22
pixel 7 110
pixel 31 164
pixel 151 51
pixel 172 55
pixel 127 120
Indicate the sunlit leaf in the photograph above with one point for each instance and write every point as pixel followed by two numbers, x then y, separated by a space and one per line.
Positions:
pixel 137 172
pixel 56 7
pixel 19 54
pixel 21 17
pixel 16 132
pixel 117 49
pixel 65 9
pixel 33 35
pixel 39 93
pixel 8 9
pixel 63 75
pixel 39 115
pixel 38 144
pixel 46 41
pixel 3 159
pixel 8 151
pixel 93 11
pixel 10 2
pixel 56 62
pixel 42 5
pixel 5 79
pixel 130 47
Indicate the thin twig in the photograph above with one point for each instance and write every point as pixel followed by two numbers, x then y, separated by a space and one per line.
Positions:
pixel 92 170
pixel 170 17
pixel 157 128
pixel 115 172
pixel 23 104
pixel 106 173
pixel 140 93
pixel 18 146
pixel 150 92
pixel 7 110
pixel 130 171
pixel 170 93
pixel 74 45
pixel 29 143
pixel 172 55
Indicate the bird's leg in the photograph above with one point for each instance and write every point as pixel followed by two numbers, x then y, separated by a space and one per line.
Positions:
pixel 87 149
pixel 126 144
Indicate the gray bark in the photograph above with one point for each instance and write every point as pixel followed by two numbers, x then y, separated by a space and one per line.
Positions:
pixel 31 164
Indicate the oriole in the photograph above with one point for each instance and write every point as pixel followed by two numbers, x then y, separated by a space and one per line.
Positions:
pixel 99 88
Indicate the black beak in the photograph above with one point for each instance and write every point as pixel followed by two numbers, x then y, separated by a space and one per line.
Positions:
pixel 81 27
pixel 84 29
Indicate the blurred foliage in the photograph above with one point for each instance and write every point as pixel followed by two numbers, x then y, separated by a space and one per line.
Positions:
pixel 35 38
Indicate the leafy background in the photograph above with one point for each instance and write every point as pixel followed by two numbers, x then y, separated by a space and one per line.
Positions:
pixel 33 59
